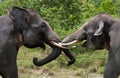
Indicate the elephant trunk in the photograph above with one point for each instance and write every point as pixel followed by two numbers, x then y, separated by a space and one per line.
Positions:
pixel 55 53
pixel 70 56
pixel 78 36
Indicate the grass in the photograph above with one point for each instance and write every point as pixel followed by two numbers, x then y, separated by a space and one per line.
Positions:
pixel 86 64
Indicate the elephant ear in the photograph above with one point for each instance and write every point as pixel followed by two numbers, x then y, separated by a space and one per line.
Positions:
pixel 20 17
pixel 99 31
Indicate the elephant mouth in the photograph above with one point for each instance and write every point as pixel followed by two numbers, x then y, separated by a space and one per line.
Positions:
pixel 41 45
pixel 85 44
pixel 35 43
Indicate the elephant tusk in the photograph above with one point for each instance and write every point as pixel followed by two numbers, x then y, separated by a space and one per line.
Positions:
pixel 69 43
pixel 59 45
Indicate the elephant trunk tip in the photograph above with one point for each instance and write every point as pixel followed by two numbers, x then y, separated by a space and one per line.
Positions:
pixel 71 62
pixel 35 62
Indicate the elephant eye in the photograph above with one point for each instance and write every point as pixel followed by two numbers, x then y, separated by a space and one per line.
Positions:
pixel 85 28
pixel 97 27
pixel 43 25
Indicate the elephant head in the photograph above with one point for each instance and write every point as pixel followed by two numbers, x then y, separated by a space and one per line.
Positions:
pixel 40 34
pixel 95 32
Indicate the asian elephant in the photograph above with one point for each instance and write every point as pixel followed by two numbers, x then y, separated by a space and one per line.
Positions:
pixel 16 27
pixel 101 32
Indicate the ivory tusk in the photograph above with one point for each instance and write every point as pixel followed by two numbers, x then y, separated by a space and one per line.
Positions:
pixel 69 43
pixel 58 45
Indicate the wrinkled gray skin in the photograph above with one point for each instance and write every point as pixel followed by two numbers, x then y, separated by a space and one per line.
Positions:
pixel 101 32
pixel 13 31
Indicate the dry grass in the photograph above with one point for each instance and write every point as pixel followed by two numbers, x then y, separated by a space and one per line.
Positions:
pixel 60 73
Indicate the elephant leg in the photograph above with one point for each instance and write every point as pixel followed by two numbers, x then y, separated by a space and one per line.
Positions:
pixel 112 69
pixel 8 61
pixel 10 71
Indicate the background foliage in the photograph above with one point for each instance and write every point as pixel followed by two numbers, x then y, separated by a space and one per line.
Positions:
pixel 65 13
pixel 65 17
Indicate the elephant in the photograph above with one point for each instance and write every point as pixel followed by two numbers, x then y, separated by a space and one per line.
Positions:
pixel 15 28
pixel 101 32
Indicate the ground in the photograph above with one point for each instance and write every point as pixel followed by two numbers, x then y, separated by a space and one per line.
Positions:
pixel 61 73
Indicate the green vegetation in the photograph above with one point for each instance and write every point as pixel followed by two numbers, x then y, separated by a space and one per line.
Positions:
pixel 66 16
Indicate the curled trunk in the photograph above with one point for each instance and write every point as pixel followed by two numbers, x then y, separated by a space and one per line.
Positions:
pixel 55 53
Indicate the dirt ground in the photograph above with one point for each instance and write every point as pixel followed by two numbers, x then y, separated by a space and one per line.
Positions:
pixel 90 76
pixel 62 73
